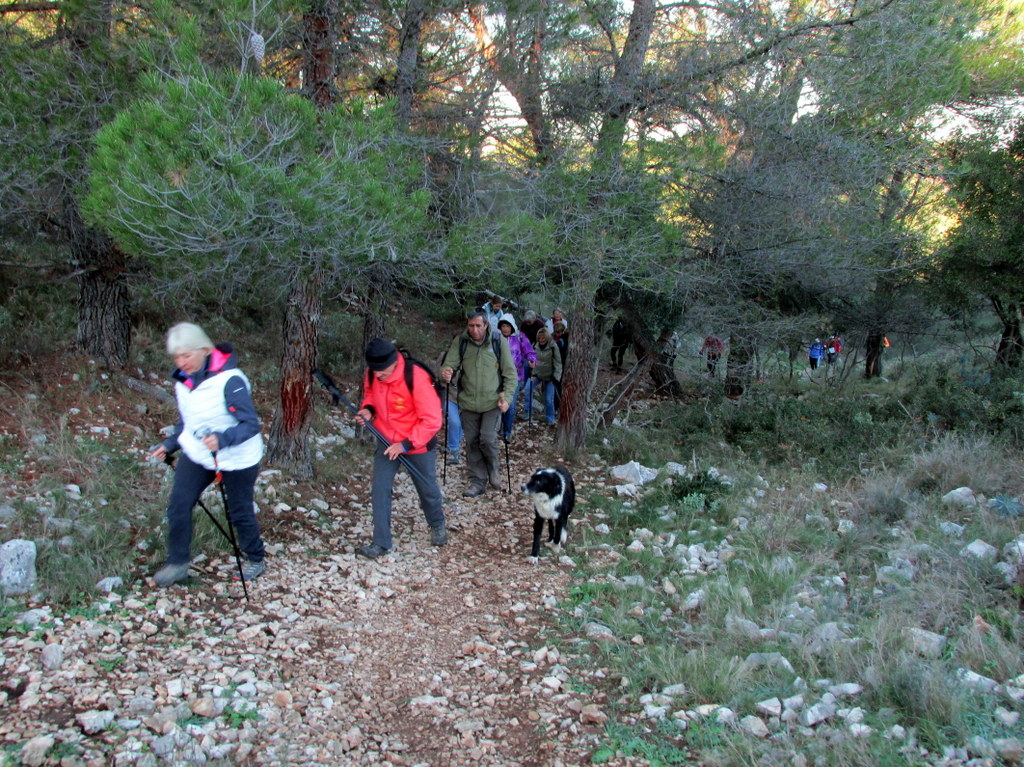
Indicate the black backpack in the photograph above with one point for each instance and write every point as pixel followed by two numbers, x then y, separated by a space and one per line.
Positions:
pixel 411 361
pixel 495 345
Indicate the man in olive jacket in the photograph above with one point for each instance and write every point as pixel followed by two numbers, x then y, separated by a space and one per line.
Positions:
pixel 487 376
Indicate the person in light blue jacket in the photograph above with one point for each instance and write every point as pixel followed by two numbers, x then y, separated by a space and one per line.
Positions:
pixel 816 353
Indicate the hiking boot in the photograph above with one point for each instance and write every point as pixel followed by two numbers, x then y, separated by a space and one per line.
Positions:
pixel 473 491
pixel 495 480
pixel 170 574
pixel 439 535
pixel 371 551
pixel 453 457
pixel 251 570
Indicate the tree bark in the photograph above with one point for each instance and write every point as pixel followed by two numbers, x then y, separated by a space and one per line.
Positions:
pixel 524 83
pixel 104 319
pixel 873 348
pixel 408 60
pixel 739 366
pixel 318 40
pixel 1011 343
pixel 288 445
pixel 571 433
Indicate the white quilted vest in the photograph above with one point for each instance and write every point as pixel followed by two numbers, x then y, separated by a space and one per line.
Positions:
pixel 203 408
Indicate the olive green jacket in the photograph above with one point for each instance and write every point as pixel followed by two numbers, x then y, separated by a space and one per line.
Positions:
pixel 480 380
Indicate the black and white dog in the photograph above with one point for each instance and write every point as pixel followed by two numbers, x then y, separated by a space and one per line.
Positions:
pixel 553 494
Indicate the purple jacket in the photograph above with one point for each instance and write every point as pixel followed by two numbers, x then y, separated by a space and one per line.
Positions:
pixel 522 349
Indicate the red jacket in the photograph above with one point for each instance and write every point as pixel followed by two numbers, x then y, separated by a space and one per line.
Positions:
pixel 412 418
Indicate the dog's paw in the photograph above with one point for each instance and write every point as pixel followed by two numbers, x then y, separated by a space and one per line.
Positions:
pixel 533 560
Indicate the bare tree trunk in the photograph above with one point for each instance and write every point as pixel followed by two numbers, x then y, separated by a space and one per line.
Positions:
pixel 571 433
pixel 739 366
pixel 104 320
pixel 373 308
pixel 319 37
pixel 288 445
pixel 408 60
pixel 873 348
pixel 1011 344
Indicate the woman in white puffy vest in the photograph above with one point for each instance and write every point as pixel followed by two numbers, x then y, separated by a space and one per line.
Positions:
pixel 217 429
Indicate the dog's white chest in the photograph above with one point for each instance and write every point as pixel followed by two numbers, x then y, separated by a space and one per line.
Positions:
pixel 547 508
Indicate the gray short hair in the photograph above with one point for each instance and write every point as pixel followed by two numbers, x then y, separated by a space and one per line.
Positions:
pixel 186 337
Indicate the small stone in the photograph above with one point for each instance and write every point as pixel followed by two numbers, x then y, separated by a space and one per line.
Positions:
pixel 34 752
pixel 1010 750
pixel 109 584
pixel 962 496
pixel 93 722
pixel 926 643
pixel 770 707
pixel 592 714
pixel 204 707
pixel 753 725
pixel 281 699
pixel 52 656
pixel 816 714
pixel 979 549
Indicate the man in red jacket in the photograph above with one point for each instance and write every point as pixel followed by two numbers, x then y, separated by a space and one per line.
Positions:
pixel 409 420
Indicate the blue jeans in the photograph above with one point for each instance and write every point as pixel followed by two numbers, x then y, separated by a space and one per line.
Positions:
pixel 548 390
pixel 190 480
pixel 425 481
pixel 508 418
pixel 454 426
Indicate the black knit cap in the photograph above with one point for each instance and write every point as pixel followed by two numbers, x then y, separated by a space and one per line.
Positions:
pixel 380 353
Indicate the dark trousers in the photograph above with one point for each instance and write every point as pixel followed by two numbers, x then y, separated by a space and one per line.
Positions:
pixel 425 481
pixel 190 480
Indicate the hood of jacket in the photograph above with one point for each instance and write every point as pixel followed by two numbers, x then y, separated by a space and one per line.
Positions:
pixel 510 320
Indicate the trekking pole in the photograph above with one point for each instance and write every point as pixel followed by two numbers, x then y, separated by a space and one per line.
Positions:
pixel 529 410
pixel 508 466
pixel 219 481
pixel 169 460
pixel 328 384
pixel 444 470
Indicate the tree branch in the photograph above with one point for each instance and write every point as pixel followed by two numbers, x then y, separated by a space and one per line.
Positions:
pixel 40 6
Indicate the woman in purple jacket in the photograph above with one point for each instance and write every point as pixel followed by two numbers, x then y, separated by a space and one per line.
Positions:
pixel 525 358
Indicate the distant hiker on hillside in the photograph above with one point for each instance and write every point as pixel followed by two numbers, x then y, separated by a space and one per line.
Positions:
pixel 530 325
pixel 525 358
pixel 713 349
pixel 493 311
pixel 833 347
pixel 560 337
pixel 409 418
pixel 487 378
pixel 557 315
pixel 546 374
pixel 620 342
pixel 815 353
pixel 218 430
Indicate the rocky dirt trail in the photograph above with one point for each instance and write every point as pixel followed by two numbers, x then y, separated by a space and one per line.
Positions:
pixel 428 656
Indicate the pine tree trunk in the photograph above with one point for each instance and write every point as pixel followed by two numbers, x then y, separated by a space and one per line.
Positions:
pixel 571 433
pixel 104 319
pixel 1011 344
pixel 739 366
pixel 288 446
